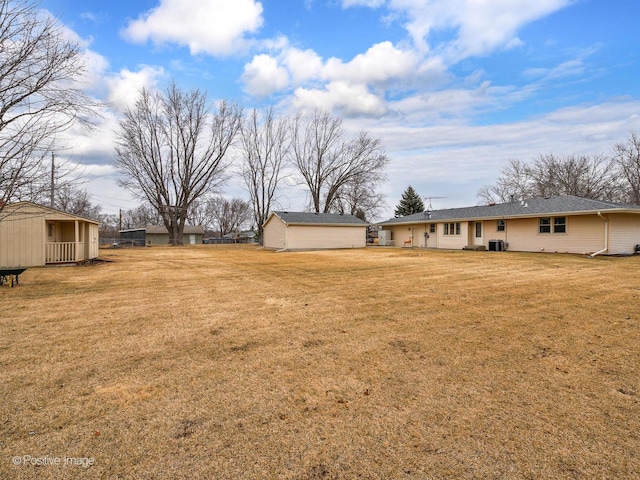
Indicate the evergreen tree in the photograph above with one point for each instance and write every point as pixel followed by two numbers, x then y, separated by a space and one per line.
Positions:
pixel 409 203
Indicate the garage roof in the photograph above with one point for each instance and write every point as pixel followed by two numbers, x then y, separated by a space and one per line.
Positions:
pixel 311 218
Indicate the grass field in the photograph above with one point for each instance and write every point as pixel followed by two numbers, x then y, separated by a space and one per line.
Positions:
pixel 233 362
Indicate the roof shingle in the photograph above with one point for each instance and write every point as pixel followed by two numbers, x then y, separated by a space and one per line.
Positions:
pixel 310 218
pixel 561 205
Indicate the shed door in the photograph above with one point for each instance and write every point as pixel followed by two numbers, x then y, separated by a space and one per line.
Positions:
pixel 192 239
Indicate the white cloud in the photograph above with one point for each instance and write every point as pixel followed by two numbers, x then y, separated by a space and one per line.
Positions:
pixel 263 76
pixel 347 99
pixel 458 105
pixel 95 66
pixel 378 65
pixel 126 85
pixel 475 27
pixel 362 3
pixel 302 64
pixel 215 27
pixel 487 26
pixel 357 87
pixel 570 68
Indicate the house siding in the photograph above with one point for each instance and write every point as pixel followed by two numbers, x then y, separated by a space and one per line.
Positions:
pixel 275 233
pixel 454 241
pixel 624 233
pixel 416 232
pixel 312 236
pixel 585 234
pixel 400 233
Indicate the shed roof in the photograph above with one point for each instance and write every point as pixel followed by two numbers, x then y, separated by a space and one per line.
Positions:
pixel 561 205
pixel 35 209
pixel 311 218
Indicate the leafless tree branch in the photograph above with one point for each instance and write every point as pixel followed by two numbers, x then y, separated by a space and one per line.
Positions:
pixel 172 150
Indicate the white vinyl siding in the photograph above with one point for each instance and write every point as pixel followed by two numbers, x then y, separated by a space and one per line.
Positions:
pixel 278 235
pixel 624 233
pixel 301 237
pixel 584 234
pixel 274 233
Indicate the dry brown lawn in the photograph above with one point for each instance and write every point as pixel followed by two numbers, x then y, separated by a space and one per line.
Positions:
pixel 228 362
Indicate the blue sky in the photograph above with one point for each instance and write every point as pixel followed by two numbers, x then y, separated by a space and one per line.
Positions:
pixel 454 88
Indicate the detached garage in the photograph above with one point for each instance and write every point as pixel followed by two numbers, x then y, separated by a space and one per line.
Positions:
pixel 309 231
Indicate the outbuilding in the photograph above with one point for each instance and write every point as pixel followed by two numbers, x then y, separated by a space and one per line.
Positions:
pixel 159 235
pixel 33 235
pixel 311 231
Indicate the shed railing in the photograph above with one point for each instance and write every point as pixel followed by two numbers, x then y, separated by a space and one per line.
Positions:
pixel 62 252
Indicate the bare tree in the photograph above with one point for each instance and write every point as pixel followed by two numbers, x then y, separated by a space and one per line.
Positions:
pixel 587 176
pixel 144 214
pixel 359 199
pixel 329 163
pixel 40 96
pixel 201 213
pixel 76 200
pixel 171 149
pixel 514 183
pixel 627 159
pixel 265 146
pixel 109 224
pixel 230 215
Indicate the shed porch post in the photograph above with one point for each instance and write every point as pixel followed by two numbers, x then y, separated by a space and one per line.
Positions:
pixel 77 246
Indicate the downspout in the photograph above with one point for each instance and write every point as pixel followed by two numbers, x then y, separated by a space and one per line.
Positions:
pixel 606 236
pixel 506 234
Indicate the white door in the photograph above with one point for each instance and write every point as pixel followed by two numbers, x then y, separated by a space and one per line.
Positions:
pixel 478 240
pixel 192 239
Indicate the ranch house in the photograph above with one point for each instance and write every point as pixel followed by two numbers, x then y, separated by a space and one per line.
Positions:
pixel 564 224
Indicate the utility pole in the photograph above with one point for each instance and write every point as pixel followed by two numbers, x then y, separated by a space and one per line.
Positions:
pixel 53 179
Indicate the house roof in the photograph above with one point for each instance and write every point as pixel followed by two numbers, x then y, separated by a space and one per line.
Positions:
pixel 162 230
pixel 562 205
pixel 23 207
pixel 311 218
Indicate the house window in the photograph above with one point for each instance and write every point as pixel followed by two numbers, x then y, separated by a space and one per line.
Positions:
pixel 553 225
pixel 452 228
pixel 544 225
pixel 560 225
pixel 500 227
pixel 478 229
pixel 50 230
pixel 432 228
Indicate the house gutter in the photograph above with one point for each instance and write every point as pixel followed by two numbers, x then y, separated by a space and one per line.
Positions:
pixel 606 236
